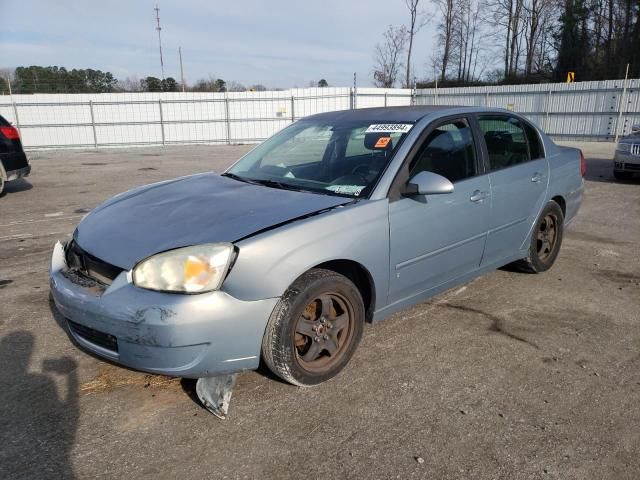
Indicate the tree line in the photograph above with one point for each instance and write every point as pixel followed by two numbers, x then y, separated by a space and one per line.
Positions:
pixel 512 41
pixel 53 79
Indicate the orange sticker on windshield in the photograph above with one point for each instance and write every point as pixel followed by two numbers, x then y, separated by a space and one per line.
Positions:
pixel 382 142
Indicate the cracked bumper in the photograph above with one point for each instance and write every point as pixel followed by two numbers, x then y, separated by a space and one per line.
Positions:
pixel 178 335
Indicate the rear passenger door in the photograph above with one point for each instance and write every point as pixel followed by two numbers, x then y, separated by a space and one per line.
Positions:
pixel 518 173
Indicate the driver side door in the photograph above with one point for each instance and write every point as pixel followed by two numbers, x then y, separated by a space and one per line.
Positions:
pixel 435 239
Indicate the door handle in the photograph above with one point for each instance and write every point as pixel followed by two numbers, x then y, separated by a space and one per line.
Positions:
pixel 478 196
pixel 537 177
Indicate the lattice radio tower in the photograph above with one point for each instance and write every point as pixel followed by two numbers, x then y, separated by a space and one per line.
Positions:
pixel 158 28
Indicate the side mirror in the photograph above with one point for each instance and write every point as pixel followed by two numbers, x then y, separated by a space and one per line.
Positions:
pixel 635 128
pixel 428 183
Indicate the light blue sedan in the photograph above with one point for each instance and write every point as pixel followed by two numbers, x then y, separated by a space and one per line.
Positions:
pixel 340 219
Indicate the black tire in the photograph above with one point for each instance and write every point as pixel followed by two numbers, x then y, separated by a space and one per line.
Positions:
pixel 296 330
pixel 622 175
pixel 2 184
pixel 543 255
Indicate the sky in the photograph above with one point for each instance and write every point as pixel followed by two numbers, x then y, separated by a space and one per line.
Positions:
pixel 277 43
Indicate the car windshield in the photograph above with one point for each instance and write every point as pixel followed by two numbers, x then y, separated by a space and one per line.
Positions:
pixel 333 157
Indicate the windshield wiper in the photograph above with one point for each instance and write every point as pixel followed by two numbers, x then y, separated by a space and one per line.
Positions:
pixel 239 178
pixel 276 184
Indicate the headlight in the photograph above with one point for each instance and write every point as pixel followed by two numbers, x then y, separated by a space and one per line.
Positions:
pixel 196 269
pixel 624 147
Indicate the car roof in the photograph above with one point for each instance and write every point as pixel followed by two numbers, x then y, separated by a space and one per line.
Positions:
pixel 400 114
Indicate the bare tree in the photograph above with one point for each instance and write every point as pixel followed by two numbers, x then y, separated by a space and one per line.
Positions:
pixel 129 84
pixel 235 86
pixel 538 18
pixel 506 20
pixel 445 34
pixel 388 56
pixel 418 19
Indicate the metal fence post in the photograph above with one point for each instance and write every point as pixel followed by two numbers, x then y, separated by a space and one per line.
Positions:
pixel 227 119
pixel 546 112
pixel 93 125
pixel 15 114
pixel 486 101
pixel 385 99
pixel 161 120
pixel 293 109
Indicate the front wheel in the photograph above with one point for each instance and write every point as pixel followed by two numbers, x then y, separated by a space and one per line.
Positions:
pixel 545 240
pixel 314 329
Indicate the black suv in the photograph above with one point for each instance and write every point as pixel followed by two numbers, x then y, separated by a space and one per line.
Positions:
pixel 13 161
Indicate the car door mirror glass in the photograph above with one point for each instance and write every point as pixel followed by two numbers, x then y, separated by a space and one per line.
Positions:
pixel 428 183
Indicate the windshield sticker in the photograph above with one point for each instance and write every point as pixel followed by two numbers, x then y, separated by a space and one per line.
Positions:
pixel 389 128
pixel 346 189
pixel 382 142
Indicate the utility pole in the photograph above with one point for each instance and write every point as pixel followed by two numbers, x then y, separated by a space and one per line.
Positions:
pixel 181 70
pixel 158 28
pixel 622 106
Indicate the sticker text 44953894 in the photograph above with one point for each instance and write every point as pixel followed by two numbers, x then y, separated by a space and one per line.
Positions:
pixel 389 128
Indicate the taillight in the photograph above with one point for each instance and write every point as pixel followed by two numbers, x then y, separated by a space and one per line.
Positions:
pixel 583 164
pixel 10 132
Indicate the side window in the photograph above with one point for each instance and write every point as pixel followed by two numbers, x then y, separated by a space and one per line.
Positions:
pixel 506 141
pixel 448 151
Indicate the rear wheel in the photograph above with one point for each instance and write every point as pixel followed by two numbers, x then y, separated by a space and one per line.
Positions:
pixel 2 182
pixel 315 329
pixel 622 175
pixel 545 240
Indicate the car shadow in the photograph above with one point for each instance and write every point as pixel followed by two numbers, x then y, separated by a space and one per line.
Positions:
pixel 601 170
pixel 15 186
pixel 39 423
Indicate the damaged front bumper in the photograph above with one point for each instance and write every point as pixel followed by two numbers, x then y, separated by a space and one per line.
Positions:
pixel 188 336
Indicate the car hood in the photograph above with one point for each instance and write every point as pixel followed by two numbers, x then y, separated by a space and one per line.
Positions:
pixel 204 208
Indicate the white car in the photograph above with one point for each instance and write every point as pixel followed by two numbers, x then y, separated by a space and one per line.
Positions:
pixel 626 160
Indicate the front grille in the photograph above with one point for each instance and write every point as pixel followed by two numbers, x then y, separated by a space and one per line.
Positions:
pixel 635 167
pixel 635 150
pixel 101 339
pixel 90 266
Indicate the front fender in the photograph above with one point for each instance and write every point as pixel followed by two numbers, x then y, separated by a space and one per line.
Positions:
pixel 269 262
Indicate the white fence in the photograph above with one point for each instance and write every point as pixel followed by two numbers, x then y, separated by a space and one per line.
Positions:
pixel 589 110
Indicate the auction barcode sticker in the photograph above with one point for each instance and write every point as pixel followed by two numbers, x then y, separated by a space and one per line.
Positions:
pixel 389 128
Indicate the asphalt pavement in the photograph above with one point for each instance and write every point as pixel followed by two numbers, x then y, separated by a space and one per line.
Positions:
pixel 512 376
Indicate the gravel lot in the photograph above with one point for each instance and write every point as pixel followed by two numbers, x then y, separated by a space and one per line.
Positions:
pixel 512 376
